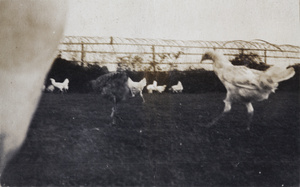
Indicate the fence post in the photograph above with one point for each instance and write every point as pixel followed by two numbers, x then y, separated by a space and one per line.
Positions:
pixel 242 51
pixel 111 40
pixel 82 52
pixel 153 58
pixel 265 53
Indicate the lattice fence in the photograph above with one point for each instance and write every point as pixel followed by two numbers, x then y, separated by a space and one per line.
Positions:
pixel 164 55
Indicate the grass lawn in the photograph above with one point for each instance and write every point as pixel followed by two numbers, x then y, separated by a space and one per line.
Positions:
pixel 163 142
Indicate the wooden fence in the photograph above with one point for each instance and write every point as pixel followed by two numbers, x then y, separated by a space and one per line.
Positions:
pixel 164 55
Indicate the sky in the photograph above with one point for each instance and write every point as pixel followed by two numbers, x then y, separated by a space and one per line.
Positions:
pixel 275 21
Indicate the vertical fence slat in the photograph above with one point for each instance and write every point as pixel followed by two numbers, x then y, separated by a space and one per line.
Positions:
pixel 265 55
pixel 82 52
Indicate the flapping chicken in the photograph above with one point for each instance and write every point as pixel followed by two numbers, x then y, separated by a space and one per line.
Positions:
pixel 112 86
pixel 246 85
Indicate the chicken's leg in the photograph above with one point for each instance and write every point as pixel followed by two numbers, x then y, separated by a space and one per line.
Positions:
pixel 141 94
pixel 132 93
pixel 227 109
pixel 250 111
pixel 113 111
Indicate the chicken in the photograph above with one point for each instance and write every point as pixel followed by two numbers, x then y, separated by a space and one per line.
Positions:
pixel 137 87
pixel 152 87
pixel 50 88
pixel 62 86
pixel 177 88
pixel 246 85
pixel 114 87
pixel 161 89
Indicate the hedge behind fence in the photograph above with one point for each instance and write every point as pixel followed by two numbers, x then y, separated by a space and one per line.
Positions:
pixel 194 81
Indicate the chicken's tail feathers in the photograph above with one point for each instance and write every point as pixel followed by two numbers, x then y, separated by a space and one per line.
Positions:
pixel 278 74
pixel 66 80
pixel 129 80
pixel 179 83
pixel 144 81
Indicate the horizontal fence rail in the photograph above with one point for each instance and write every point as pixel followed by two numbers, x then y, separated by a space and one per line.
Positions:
pixel 164 55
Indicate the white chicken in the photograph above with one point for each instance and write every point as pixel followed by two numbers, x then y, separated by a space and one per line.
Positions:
pixel 62 86
pixel 137 87
pixel 50 88
pixel 177 88
pixel 152 87
pixel 161 89
pixel 246 85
